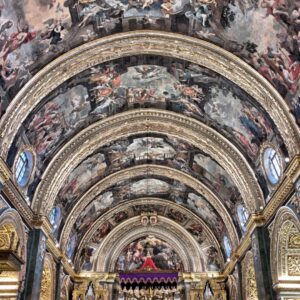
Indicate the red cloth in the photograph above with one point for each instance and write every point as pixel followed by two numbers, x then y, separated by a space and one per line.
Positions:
pixel 148 264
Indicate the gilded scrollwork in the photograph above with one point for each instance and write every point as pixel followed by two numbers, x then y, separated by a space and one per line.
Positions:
pixel 294 240
pixel 293 265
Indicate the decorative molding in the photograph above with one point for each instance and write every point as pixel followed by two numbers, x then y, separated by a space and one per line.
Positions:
pixel 249 277
pixel 5 173
pixel 153 43
pixel 108 181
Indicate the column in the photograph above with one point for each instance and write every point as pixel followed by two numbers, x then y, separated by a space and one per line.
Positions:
pixel 240 281
pixel 261 255
pixel 59 270
pixel 187 290
pixel 36 249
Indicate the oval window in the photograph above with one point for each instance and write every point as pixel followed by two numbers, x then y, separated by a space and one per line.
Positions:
pixel 24 166
pixel 272 165
pixel 227 246
pixel 242 215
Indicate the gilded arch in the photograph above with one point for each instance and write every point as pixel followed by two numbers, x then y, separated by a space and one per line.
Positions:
pixel 145 121
pixel 143 201
pixel 148 42
pixel 147 170
pixel 166 229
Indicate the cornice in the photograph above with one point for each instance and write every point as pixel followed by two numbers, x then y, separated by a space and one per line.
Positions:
pixel 285 188
pixel 154 43
pixel 5 173
pixel 144 170
pixel 143 201
pixel 145 121
pixel 18 202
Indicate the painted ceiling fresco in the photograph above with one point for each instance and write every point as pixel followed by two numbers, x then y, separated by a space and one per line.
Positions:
pixel 265 33
pixel 146 187
pixel 88 252
pixel 154 149
pixel 115 87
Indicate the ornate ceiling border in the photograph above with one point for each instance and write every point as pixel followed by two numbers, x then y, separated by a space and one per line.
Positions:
pixel 154 43
pixel 142 201
pixel 179 238
pixel 146 121
pixel 143 170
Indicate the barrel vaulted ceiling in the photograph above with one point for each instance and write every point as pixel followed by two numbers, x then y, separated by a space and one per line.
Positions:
pixel 148 106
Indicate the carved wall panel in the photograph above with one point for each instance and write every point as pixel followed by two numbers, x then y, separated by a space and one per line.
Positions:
pixel 249 278
pixel 48 280
pixel 285 248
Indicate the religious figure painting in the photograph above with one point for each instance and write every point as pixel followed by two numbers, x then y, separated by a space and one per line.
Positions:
pixel 113 88
pixel 134 255
pixel 264 33
pixel 194 227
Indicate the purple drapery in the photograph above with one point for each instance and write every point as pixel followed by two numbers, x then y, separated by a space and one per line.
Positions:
pixel 151 277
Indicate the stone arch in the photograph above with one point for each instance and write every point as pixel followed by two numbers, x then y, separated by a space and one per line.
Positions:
pixel 166 229
pixel 249 278
pixel 48 279
pixel 285 250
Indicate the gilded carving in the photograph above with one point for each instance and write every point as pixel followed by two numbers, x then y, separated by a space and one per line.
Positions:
pixel 294 240
pixel 249 277
pixel 293 264
pixel 46 284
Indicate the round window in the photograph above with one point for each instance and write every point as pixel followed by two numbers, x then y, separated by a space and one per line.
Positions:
pixel 272 165
pixel 23 167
